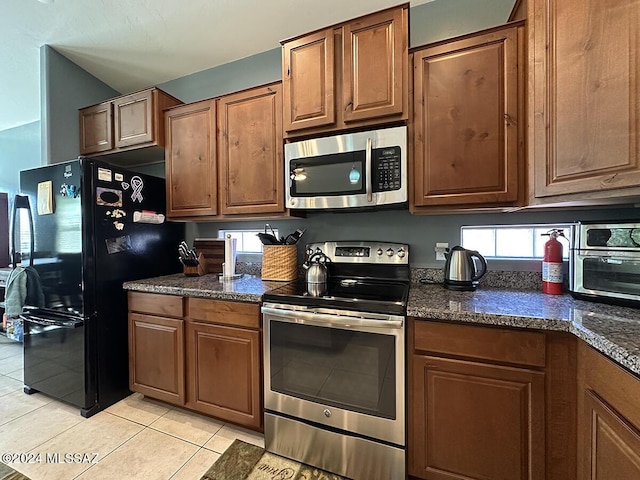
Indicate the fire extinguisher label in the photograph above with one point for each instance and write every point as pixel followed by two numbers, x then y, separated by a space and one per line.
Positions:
pixel 551 272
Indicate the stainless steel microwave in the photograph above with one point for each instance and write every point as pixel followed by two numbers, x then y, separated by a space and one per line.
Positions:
pixel 604 262
pixel 363 169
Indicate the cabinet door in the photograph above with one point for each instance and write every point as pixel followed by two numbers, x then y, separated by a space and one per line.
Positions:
pixel 250 151
pixel 134 119
pixel 375 66
pixel 223 371
pixel 466 116
pixel 156 357
pixel 585 96
pixel 96 128
pixel 610 446
pixel 190 160
pixel 308 81
pixel 475 421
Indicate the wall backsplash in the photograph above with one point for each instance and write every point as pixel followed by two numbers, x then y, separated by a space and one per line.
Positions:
pixel 420 232
pixel 493 279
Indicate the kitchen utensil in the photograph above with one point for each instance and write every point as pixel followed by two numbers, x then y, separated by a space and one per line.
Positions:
pixel 268 239
pixel 188 257
pixel 266 225
pixel 293 238
pixel 461 271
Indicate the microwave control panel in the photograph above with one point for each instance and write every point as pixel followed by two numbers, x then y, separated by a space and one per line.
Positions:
pixel 387 172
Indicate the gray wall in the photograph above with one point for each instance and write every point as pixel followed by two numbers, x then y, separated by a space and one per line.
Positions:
pixel 429 22
pixel 420 232
pixel 248 72
pixel 19 149
pixel 442 19
pixel 65 88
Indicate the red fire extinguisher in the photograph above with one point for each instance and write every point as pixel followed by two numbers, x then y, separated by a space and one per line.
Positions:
pixel 552 278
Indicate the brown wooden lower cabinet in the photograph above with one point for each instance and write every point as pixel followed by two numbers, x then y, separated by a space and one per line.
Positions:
pixel 608 419
pixel 223 372
pixel 157 360
pixel 208 360
pixel 473 414
pixel 156 346
pixel 477 421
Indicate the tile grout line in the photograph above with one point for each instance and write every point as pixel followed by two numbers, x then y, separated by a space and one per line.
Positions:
pixel 114 449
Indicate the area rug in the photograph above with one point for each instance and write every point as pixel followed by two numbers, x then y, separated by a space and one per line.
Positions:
pixel 243 461
pixel 8 473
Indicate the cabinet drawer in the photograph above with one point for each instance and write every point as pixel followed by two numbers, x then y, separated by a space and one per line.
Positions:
pixel 484 343
pixel 228 313
pixel 165 305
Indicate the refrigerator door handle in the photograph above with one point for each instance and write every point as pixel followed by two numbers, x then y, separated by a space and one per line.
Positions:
pixel 54 323
pixel 21 201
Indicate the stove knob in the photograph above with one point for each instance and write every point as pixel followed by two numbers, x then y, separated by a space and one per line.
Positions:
pixel 401 253
pixel 389 252
pixel 380 252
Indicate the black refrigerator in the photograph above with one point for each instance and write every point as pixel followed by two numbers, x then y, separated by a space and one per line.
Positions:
pixel 86 227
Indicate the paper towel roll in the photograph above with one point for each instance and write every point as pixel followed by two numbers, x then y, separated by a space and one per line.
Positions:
pixel 229 267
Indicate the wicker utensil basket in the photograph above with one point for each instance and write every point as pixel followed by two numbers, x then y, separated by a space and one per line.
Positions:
pixel 279 262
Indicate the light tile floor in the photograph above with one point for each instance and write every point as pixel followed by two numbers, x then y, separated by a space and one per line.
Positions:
pixel 135 439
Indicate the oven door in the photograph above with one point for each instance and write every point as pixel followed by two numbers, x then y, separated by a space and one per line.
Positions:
pixel 339 369
pixel 612 274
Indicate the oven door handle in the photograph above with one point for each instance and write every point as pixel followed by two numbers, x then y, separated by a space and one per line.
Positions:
pixel 324 319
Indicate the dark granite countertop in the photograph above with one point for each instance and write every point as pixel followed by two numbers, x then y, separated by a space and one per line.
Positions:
pixel 613 330
pixel 248 288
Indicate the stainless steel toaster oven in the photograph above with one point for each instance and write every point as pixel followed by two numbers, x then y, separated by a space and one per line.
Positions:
pixel 604 262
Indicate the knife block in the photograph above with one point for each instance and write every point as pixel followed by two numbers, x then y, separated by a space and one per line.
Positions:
pixel 198 270
pixel 213 251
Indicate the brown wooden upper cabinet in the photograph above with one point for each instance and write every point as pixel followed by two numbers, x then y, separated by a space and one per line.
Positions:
pixel 349 75
pixel 190 160
pixel 126 122
pixel 584 119
pixel 468 126
pixel 234 169
pixel 96 128
pixel 250 151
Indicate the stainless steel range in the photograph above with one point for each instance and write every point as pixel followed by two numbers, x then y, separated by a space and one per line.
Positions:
pixel 334 363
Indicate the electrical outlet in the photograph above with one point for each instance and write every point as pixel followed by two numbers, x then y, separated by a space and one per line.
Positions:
pixel 440 249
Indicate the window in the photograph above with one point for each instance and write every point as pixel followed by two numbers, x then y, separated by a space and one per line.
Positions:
pixel 512 241
pixel 247 241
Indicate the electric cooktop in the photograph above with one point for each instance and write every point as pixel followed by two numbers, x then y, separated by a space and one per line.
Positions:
pixel 363 276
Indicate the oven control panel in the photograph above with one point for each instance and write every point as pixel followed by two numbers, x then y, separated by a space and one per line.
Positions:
pixel 362 252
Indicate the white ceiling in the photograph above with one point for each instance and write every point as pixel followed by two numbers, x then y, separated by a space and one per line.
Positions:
pixel 132 45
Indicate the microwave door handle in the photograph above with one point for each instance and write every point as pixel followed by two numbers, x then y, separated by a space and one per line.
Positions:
pixel 369 174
